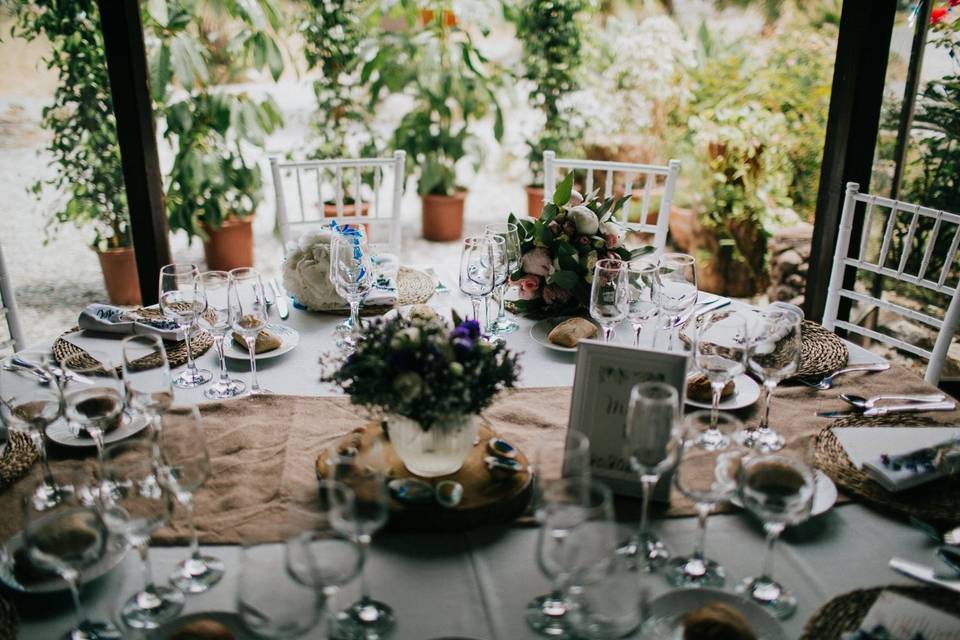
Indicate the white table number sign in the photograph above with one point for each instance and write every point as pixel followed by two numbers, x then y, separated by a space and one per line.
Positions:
pixel 604 375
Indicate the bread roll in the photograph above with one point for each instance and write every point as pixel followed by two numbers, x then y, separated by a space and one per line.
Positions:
pixel 699 390
pixel 569 332
pixel 266 341
pixel 716 621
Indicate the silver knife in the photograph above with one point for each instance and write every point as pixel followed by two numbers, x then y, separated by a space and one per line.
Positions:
pixel 913 407
pixel 923 573
pixel 713 305
pixel 281 299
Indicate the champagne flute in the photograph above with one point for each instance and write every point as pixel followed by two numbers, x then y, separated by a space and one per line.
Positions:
pixel 642 306
pixel 271 600
pixel 136 503
pixel 30 400
pixel 182 303
pixel 93 396
pixel 706 474
pixel 216 288
pixel 146 376
pixel 652 443
pixel 248 315
pixel 351 272
pixel 779 491
pixel 477 279
pixel 509 232
pixel 184 468
pixel 609 295
pixel 68 538
pixel 720 353
pixel 676 289
pixel 560 460
pixel 774 355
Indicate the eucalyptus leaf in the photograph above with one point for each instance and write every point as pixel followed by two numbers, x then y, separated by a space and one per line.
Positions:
pixel 561 195
pixel 564 279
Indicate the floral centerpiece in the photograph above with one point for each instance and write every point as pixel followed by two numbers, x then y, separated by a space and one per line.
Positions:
pixel 430 379
pixel 559 251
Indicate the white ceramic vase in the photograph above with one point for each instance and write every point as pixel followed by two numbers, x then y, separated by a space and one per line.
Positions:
pixel 438 451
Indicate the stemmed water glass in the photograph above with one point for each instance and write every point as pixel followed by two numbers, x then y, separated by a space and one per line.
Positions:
pixel 184 468
pixel 68 538
pixel 774 354
pixel 248 315
pixel 560 460
pixel 779 491
pixel 180 303
pixel 93 396
pixel 215 286
pixel 642 305
pixel 720 353
pixel 509 232
pixel 609 298
pixel 500 267
pixel 706 475
pixel 477 279
pixel 676 289
pixel 136 503
pixel 652 443
pixel 351 272
pixel 146 376
pixel 30 400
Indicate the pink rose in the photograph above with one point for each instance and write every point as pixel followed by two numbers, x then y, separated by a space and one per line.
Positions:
pixel 529 287
pixel 612 240
pixel 554 294
pixel 537 262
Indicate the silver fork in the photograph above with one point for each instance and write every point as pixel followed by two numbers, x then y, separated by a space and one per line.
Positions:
pixel 827 382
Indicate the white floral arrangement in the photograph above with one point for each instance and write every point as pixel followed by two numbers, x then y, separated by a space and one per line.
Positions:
pixel 306 271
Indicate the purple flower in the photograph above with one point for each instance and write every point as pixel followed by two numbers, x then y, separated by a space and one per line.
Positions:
pixel 463 344
pixel 466 329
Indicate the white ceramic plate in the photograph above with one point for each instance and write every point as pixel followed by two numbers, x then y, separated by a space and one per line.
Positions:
pixel 230 620
pixel 116 550
pixel 667 612
pixel 542 329
pixel 62 433
pixel 289 337
pixel 824 495
pixel 746 391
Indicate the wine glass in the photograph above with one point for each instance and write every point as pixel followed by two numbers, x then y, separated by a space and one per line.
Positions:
pixel 477 279
pixel 216 288
pixel 568 505
pixel 652 443
pixel 136 503
pixel 351 272
pixel 30 400
pixel 706 475
pixel 720 353
pixel 642 306
pixel 184 468
pixel 676 289
pixel 248 315
pixel 500 267
pixel 359 519
pixel 182 303
pixel 146 376
pixel 93 396
pixel 509 232
pixel 559 460
pixel 774 355
pixel 779 491
pixel 608 295
pixel 68 538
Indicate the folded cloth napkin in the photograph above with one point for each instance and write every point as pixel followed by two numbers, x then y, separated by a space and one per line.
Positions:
pixel 897 617
pixel 896 472
pixel 108 319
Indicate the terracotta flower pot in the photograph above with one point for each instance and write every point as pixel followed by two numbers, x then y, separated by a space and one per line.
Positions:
pixel 427 15
pixel 119 267
pixel 231 245
pixel 534 201
pixel 443 216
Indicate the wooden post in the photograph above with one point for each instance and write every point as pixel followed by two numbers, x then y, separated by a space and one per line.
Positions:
pixel 130 90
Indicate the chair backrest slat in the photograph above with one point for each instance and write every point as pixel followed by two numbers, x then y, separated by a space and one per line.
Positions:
pixel 932 242
pixel 8 306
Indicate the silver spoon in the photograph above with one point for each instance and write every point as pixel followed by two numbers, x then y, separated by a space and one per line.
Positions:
pixel 870 403
pixel 827 382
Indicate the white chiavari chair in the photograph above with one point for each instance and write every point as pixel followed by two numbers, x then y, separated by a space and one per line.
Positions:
pixel 649 180
pixel 13 340
pixel 879 217
pixel 359 191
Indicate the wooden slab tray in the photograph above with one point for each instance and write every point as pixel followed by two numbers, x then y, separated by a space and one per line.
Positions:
pixel 485 500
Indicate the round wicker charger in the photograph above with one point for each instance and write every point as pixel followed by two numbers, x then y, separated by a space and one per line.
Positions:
pixel 846 612
pixel 413 287
pixel 821 351
pixel 937 501
pixel 17 458
pixel 9 621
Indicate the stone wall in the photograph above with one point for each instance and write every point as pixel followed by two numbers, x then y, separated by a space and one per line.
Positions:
pixel 789 251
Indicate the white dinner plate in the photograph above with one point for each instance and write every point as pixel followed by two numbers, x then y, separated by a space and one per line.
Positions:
pixel 746 391
pixel 289 339
pixel 667 613
pixel 824 495
pixel 116 550
pixel 62 433
pixel 542 329
pixel 228 619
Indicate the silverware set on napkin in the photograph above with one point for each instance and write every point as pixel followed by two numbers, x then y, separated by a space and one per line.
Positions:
pixel 948 554
pixel 279 299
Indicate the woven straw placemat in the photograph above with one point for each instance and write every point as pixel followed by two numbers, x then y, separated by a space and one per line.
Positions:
pixel 17 458
pixel 200 342
pixel 937 501
pixel 821 351
pixel 9 621
pixel 846 612
pixel 413 287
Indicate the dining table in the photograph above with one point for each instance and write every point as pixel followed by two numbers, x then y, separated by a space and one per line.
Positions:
pixel 475 584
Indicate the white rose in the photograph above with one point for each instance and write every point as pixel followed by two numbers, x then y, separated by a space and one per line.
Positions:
pixel 575 198
pixel 611 227
pixel 584 219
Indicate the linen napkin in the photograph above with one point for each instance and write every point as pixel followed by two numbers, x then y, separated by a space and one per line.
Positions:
pixel 899 472
pixel 897 617
pixel 107 319
pixel 901 457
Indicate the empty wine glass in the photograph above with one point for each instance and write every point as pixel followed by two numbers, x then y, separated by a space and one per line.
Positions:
pixel 779 491
pixel 184 468
pixel 559 460
pixel 248 315
pixel 271 600
pixel 642 305
pixel 609 295
pixel 477 279
pixel 135 503
pixel 216 288
pixel 706 474
pixel 182 303
pixel 352 275
pixel 676 289
pixel 774 354
pixel 652 443
pixel 30 400
pixel 68 538
pixel 93 396
pixel 500 267
pixel 146 376
pixel 509 232
pixel 720 353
